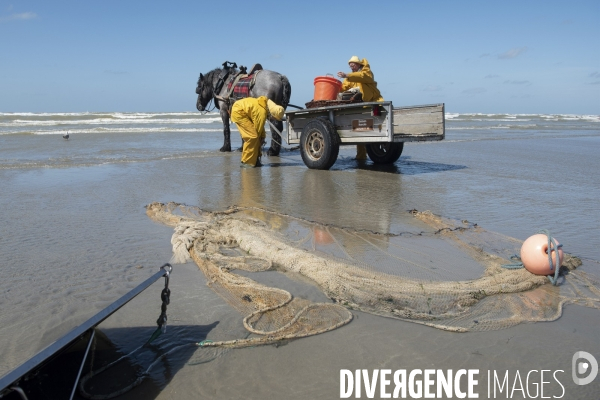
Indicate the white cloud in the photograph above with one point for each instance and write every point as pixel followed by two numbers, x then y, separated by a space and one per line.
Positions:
pixel 518 82
pixel 490 76
pixel 594 74
pixel 477 90
pixel 275 56
pixel 523 96
pixel 432 88
pixel 20 16
pixel 512 53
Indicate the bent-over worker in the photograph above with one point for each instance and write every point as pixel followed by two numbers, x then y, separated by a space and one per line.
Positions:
pixel 250 115
pixel 361 78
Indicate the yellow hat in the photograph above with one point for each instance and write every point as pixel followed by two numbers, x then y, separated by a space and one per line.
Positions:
pixel 275 110
pixel 355 59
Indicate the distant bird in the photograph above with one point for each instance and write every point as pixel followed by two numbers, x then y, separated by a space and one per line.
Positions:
pixel 66 136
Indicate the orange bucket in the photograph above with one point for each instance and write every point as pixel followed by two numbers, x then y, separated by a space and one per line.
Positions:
pixel 326 88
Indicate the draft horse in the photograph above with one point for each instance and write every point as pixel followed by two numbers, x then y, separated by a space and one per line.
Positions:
pixel 267 83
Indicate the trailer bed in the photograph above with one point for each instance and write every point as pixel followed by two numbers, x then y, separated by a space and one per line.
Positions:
pixel 379 125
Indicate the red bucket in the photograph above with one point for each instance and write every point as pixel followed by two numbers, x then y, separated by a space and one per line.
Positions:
pixel 326 88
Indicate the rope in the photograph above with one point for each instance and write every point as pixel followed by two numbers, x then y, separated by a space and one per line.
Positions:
pixel 127 388
pixel 20 391
pixel 276 130
pixel 515 265
pixel 552 246
pixel 206 110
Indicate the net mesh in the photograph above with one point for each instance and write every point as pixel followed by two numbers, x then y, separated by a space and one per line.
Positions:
pixel 445 274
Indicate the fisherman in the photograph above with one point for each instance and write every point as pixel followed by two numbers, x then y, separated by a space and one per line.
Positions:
pixel 361 78
pixel 250 115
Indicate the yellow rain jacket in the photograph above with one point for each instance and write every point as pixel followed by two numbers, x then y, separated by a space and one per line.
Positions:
pixel 250 115
pixel 365 81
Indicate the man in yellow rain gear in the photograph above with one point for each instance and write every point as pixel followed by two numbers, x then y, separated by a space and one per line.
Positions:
pixel 250 115
pixel 361 78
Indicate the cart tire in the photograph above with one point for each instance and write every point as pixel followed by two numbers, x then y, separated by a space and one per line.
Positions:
pixel 319 144
pixel 385 153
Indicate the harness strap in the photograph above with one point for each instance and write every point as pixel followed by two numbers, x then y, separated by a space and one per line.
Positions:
pixel 231 84
pixel 221 81
pixel 225 99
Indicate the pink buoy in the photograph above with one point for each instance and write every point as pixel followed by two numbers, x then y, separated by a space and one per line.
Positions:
pixel 534 255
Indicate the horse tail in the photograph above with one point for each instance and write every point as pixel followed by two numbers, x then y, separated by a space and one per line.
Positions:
pixel 287 91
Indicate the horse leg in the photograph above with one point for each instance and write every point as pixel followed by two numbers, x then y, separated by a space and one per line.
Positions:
pixel 226 131
pixel 275 139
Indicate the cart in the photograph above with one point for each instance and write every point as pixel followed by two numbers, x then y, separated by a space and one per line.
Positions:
pixel 380 126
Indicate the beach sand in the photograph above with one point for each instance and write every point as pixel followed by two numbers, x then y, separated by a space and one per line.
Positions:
pixel 75 239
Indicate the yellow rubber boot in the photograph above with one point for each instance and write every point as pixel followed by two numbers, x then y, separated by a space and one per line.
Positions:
pixel 361 152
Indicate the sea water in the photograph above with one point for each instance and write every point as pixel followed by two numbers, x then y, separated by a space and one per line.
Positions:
pixel 29 140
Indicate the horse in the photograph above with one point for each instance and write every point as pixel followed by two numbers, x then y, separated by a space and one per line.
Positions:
pixel 271 84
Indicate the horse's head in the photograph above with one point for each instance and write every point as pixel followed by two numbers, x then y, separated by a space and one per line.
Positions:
pixel 204 91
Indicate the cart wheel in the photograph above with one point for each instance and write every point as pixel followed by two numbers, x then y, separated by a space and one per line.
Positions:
pixel 319 144
pixel 385 153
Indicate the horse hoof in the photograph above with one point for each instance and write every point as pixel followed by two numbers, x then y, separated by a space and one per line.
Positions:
pixel 225 148
pixel 272 152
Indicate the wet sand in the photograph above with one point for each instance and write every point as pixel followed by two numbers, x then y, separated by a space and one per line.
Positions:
pixel 77 238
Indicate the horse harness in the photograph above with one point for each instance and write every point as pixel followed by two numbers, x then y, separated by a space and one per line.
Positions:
pixel 239 84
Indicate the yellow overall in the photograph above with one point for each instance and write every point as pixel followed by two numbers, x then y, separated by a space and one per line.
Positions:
pixel 250 115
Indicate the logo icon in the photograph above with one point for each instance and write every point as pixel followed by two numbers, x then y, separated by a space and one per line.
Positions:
pixel 580 367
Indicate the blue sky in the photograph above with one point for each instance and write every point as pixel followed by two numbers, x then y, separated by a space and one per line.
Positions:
pixel 475 56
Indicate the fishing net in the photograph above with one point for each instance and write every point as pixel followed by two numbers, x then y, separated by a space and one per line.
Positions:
pixel 443 273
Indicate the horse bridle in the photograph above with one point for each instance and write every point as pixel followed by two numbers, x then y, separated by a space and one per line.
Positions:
pixel 198 102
